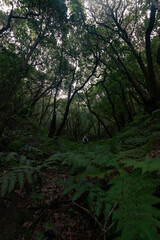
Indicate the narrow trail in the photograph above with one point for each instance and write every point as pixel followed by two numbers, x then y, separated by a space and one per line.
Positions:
pixel 49 215
pixel 52 217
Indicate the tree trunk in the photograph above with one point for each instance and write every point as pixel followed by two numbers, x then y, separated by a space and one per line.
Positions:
pixel 58 133
pixel 153 84
pixel 71 97
pixel 99 130
pixel 53 124
pixel 98 118
pixel 125 103
pixel 112 106
pixel 52 129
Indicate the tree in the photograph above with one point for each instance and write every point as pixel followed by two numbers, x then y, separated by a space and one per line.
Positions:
pixel 35 23
pixel 115 24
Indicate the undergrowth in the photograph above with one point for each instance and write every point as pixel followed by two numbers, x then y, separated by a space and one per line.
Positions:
pixel 116 180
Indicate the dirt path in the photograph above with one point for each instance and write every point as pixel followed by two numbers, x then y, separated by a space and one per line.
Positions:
pixel 12 214
pixel 53 217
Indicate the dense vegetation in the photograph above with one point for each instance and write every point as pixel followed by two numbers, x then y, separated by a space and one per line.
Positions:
pixel 74 68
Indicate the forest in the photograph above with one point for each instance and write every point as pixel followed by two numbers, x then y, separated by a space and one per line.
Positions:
pixel 69 69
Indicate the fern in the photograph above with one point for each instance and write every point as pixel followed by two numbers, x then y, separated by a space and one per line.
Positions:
pixel 129 203
pixel 2 155
pixel 135 212
pixel 96 196
pixel 94 172
pixel 92 161
pixel 54 161
pixel 147 165
pixel 83 187
pixel 24 171
pixel 156 134
pixel 21 179
pixel 135 153
pixel 156 112
pixel 4 187
pixel 136 141
pixel 12 182
pixel 11 156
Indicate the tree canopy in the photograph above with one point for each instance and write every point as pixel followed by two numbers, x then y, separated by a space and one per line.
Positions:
pixel 98 55
pixel 75 68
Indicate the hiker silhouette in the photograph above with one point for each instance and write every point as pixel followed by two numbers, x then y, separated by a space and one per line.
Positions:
pixel 85 140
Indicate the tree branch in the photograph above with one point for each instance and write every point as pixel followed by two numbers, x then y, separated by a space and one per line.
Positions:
pixel 156 5
pixel 11 16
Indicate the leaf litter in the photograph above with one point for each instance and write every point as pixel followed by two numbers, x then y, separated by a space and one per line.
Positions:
pixel 48 216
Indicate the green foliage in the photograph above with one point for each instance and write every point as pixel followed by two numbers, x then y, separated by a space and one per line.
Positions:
pixel 36 197
pixel 2 154
pixel 117 178
pixel 136 200
pixel 22 172
pixel 135 141
pixel 15 145
pixel 11 156
pixel 118 181
pixel 152 140
pixel 40 236
pixel 147 165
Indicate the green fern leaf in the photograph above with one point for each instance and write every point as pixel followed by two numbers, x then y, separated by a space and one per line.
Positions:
pixel 92 172
pixel 12 183
pixel 69 185
pixel 4 187
pixel 28 173
pixel 80 190
pixel 2 155
pixel 135 207
pixel 154 164
pixel 90 199
pixel 22 160
pixel 98 207
pixel 11 156
pixel 21 180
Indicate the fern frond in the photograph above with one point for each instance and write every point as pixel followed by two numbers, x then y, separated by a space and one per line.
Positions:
pixel 21 179
pixel 17 174
pixel 146 165
pixel 82 189
pixel 134 195
pixel 22 160
pixel 4 187
pixel 28 174
pixel 11 156
pixel 12 183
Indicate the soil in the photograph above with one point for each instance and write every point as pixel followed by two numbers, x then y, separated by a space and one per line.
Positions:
pixel 12 212
pixel 48 215
pixel 51 217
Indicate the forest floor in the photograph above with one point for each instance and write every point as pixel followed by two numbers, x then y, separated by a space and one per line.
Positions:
pixel 46 213
pixel 54 216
